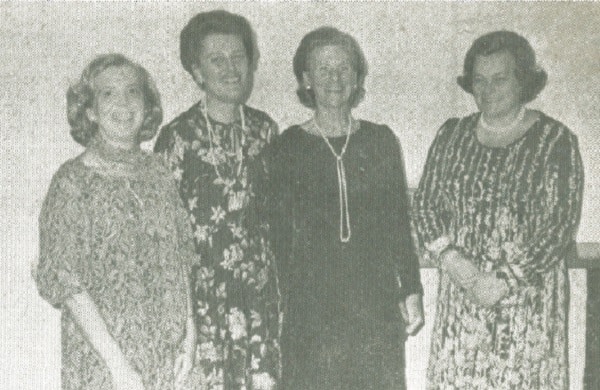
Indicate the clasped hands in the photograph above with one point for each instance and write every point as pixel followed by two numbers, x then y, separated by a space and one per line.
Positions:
pixel 483 288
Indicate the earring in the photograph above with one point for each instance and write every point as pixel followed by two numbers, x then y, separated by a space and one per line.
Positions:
pixel 307 87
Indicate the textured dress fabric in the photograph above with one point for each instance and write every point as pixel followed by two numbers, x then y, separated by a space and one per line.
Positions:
pixel 342 328
pixel 220 174
pixel 122 236
pixel 514 209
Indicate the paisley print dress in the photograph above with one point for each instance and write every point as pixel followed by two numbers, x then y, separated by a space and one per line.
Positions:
pixel 220 175
pixel 513 209
pixel 120 234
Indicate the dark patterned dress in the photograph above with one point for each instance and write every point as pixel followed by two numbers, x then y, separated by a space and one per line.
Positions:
pixel 121 234
pixel 513 209
pixel 236 294
pixel 342 328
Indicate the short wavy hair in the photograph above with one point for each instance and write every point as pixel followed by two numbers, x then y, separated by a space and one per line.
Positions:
pixel 215 22
pixel 328 36
pixel 531 76
pixel 80 97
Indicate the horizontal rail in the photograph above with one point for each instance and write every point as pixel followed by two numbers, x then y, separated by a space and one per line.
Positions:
pixel 585 255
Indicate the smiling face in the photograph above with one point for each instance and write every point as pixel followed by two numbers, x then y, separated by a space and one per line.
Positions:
pixel 118 107
pixel 496 89
pixel 332 76
pixel 223 68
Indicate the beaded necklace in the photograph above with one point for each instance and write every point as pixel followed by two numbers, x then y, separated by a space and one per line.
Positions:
pixel 237 144
pixel 345 231
pixel 483 123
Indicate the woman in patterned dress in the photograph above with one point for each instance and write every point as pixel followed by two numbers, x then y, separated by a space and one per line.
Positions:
pixel 115 246
pixel 215 152
pixel 497 209
pixel 343 234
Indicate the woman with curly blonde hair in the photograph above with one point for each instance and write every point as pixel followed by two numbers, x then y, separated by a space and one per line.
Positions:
pixel 115 245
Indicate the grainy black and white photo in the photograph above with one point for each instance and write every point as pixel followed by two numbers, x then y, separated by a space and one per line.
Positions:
pixel 321 195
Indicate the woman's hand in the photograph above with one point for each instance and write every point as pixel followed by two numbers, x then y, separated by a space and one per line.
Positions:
pixel 488 289
pixel 183 366
pixel 124 377
pixel 459 268
pixel 185 361
pixel 412 313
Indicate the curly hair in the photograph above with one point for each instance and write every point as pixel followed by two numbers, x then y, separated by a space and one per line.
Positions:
pixel 532 77
pixel 214 22
pixel 80 97
pixel 328 36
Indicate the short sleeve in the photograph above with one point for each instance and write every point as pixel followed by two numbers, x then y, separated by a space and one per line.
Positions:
pixel 64 240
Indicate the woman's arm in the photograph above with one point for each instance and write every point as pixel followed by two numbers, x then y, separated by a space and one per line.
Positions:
pixel 429 206
pixel 557 216
pixel 185 361
pixel 431 221
pixel 408 269
pixel 87 317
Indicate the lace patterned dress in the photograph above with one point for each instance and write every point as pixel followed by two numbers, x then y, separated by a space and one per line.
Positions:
pixel 119 232
pixel 235 287
pixel 513 209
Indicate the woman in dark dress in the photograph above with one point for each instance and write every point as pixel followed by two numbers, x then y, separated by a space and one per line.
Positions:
pixel 215 152
pixel 497 208
pixel 347 265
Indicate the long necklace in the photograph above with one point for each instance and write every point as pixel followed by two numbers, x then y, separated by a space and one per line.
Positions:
pixel 236 145
pixel 345 231
pixel 487 126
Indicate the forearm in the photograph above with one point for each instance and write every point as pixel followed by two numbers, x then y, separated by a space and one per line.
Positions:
pixel 190 325
pixel 86 315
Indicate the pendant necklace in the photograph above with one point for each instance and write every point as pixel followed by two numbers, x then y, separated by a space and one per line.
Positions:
pixel 345 231
pixel 236 144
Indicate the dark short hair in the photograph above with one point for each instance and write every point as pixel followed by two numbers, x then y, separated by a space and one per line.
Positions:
pixel 328 36
pixel 214 22
pixel 80 97
pixel 532 77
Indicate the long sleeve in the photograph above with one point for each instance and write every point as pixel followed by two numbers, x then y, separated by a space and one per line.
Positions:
pixel 429 208
pixel 279 206
pixel 64 240
pixel 408 262
pixel 555 222
pixel 264 181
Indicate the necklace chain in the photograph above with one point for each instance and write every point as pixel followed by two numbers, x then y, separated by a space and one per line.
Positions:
pixel 345 231
pixel 237 146
pixel 510 126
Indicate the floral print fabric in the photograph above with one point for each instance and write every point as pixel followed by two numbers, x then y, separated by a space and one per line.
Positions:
pixel 513 209
pixel 124 240
pixel 220 175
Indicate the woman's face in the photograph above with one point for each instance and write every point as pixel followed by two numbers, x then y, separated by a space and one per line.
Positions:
pixel 223 68
pixel 118 107
pixel 496 90
pixel 332 76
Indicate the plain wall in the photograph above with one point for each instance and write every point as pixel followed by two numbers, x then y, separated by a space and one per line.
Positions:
pixel 414 50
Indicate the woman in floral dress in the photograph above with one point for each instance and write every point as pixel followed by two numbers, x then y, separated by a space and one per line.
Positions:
pixel 215 152
pixel 497 208
pixel 115 246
